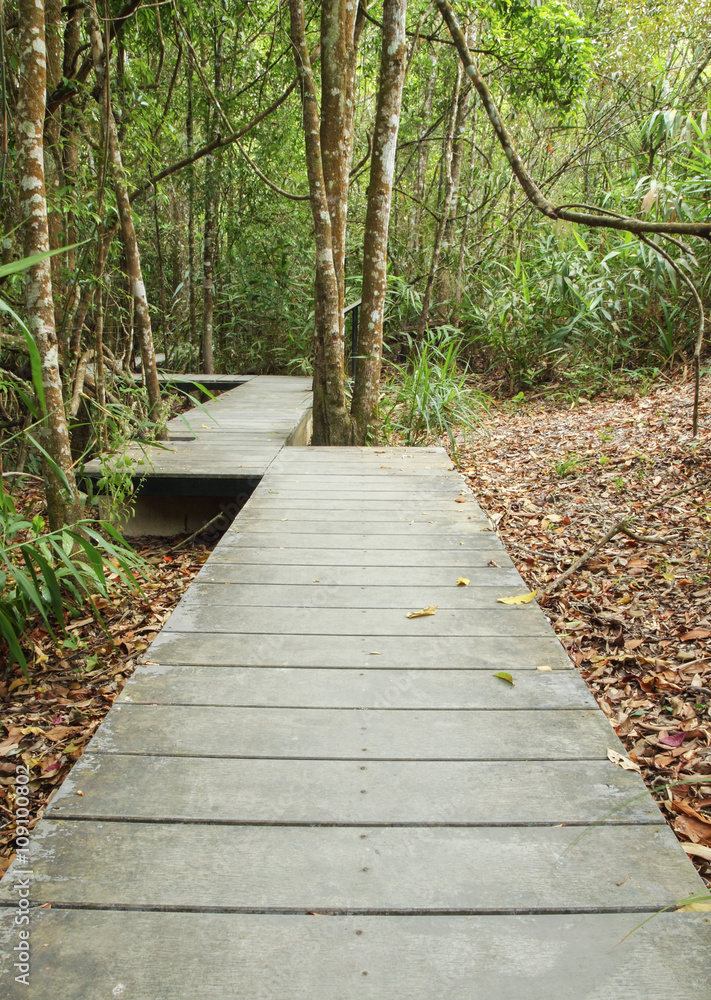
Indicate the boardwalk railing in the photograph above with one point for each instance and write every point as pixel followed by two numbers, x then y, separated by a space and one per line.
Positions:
pixel 354 310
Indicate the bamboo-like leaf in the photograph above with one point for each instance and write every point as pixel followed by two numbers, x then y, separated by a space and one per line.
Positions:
pixel 7 631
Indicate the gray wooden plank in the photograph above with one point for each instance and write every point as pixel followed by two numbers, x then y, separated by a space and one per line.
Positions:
pixel 524 793
pixel 458 558
pixel 375 577
pixel 398 493
pixel 88 954
pixel 331 623
pixel 381 869
pixel 398 652
pixel 374 688
pixel 398 515
pixel 406 506
pixel 466 538
pixel 361 734
pixel 421 533
pixel 326 596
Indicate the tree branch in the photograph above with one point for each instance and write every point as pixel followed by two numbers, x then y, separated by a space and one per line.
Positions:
pixel 522 173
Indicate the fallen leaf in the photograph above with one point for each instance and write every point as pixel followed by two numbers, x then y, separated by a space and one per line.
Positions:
pixel 519 598
pixel 58 733
pixel 505 676
pixel 544 668
pixel 624 762
pixel 673 740
pixel 699 850
pixel 431 610
pixel 696 633
pixel 695 907
pixel 460 500
pixel 462 581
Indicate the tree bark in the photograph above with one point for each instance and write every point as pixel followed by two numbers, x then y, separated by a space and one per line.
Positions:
pixel 63 506
pixel 212 180
pixel 142 318
pixel 331 421
pixel 393 61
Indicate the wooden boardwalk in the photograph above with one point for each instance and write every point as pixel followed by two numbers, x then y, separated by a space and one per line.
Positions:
pixel 235 436
pixel 305 794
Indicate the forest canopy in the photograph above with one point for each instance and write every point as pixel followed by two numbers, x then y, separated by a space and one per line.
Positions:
pixel 173 141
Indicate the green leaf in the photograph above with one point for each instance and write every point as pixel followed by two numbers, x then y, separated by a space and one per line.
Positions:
pixel 505 676
pixel 17 266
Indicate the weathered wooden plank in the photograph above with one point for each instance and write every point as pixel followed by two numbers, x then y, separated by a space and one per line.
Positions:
pixel 524 793
pixel 318 595
pixel 500 620
pixel 418 651
pixel 401 507
pixel 422 533
pixel 361 734
pixel 154 956
pixel 463 558
pixel 379 578
pixel 467 538
pixel 437 487
pixel 374 688
pixel 381 869
pixel 395 515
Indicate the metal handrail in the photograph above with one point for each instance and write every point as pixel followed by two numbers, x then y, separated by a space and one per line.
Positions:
pixel 354 308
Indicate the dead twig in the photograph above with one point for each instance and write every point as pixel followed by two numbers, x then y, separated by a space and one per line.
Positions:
pixel 619 527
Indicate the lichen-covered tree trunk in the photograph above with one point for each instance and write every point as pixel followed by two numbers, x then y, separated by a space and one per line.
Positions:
pixel 212 195
pixel 331 420
pixel 142 318
pixel 377 221
pixel 208 267
pixel 341 25
pixel 63 504
pixel 444 208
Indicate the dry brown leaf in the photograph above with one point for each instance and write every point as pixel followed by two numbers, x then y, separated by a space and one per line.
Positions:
pixel 462 581
pixel 624 762
pixel 431 610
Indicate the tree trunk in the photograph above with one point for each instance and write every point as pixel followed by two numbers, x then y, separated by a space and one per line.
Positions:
pixel 212 196
pixel 423 155
pixel 52 151
pixel 341 24
pixel 377 220
pixel 142 318
pixel 331 422
pixel 192 309
pixel 446 202
pixel 63 506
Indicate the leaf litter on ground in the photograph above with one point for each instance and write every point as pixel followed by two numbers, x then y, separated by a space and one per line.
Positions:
pixel 48 717
pixel 636 618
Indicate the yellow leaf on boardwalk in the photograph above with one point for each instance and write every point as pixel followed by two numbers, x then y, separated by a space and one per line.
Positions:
pixel 519 598
pixel 431 610
pixel 462 581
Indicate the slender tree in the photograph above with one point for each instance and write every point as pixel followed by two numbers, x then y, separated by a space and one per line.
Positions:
pixel 393 59
pixel 63 502
pixel 142 316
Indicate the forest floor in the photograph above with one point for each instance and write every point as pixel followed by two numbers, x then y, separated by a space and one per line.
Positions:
pixel 636 619
pixel 50 715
